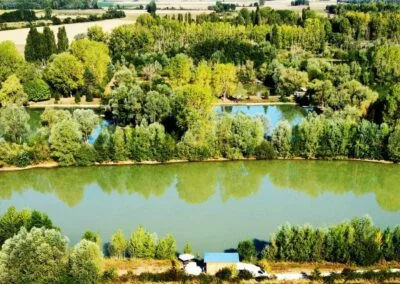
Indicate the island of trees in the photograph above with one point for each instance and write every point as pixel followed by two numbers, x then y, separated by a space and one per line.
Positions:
pixel 158 80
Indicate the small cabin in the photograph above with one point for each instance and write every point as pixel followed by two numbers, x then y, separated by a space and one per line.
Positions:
pixel 215 261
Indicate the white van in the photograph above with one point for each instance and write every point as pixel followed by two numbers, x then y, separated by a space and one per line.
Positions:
pixel 255 270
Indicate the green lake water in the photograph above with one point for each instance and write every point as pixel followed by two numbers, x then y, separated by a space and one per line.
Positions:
pixel 210 205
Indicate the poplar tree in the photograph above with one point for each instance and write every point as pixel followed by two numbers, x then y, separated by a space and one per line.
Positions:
pixel 49 43
pixel 62 40
pixel 33 47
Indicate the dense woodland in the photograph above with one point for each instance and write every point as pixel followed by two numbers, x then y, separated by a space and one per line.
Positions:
pixel 159 79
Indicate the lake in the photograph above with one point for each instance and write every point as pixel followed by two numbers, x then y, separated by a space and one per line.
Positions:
pixel 211 205
pixel 273 113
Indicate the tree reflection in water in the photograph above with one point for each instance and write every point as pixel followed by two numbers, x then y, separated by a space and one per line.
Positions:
pixel 196 183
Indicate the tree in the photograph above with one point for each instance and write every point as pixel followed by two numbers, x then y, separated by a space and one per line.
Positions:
pixel 166 248
pixel 34 48
pixel 12 92
pixel 247 251
pixel 65 140
pixel 179 69
pixel 14 123
pixel 282 139
pixel 94 57
pixel 51 116
pixel 394 145
pixel 193 103
pixel 86 262
pixel 44 258
pixel 392 105
pixel 203 75
pixel 118 244
pixel 91 236
pixel 11 222
pixel 96 33
pixel 62 40
pixel 290 80
pixel 37 90
pixel 156 107
pixel 10 60
pixel 320 92
pixel 65 74
pixel 224 80
pixel 49 43
pixel 187 248
pixel 141 244
pixel 151 8
pixel 87 120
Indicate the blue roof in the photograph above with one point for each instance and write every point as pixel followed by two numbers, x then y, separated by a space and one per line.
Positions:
pixel 221 257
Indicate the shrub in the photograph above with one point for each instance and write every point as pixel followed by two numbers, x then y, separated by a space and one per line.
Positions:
pixel 37 90
pixel 244 275
pixel 265 151
pixel 86 155
pixel 224 274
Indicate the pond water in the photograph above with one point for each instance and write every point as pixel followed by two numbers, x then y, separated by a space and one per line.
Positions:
pixel 273 113
pixel 210 205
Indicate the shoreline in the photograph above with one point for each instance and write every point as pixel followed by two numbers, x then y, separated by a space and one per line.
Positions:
pixel 54 164
pixel 98 106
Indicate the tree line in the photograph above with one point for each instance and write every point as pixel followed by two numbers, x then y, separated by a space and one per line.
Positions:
pixel 357 241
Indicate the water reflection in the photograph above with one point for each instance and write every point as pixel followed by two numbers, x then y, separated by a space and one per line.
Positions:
pixel 196 183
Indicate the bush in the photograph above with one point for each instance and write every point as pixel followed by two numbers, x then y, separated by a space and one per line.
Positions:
pixel 37 90
pixel 86 155
pixel 265 151
pixel 224 274
pixel 244 275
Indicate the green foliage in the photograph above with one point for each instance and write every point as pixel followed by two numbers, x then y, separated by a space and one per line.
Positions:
pixel 37 90
pixel 10 60
pixel 12 92
pixel 94 57
pixel 86 262
pixel 357 242
pixel 224 80
pixel 44 257
pixel 51 116
pixel 14 125
pixel 394 145
pixel 151 7
pixel 142 244
pixel 238 136
pixel 179 69
pixel 87 120
pixel 65 74
pixel 282 139
pixel 118 244
pixel 166 248
pixel 265 151
pixel 93 237
pixel 62 40
pixel 65 140
pixel 187 248
pixel 224 274
pixel 247 251
pixel 96 33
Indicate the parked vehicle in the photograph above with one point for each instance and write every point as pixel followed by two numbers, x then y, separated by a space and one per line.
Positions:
pixel 255 270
